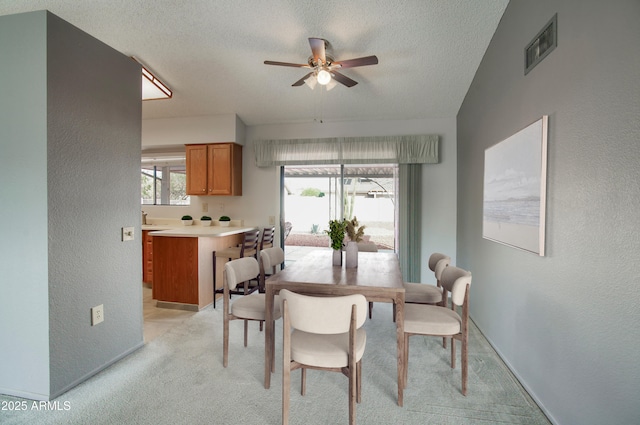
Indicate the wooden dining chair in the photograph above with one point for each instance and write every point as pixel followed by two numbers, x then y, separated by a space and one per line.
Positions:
pixel 248 248
pixel 323 333
pixel 423 293
pixel 437 320
pixel 268 234
pixel 271 260
pixel 247 307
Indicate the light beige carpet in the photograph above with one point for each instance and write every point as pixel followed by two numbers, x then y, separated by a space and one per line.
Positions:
pixel 178 378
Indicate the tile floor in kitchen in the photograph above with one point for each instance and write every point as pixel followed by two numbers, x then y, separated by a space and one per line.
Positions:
pixel 159 320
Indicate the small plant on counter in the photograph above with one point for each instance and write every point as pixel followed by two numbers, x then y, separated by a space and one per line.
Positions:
pixel 224 221
pixel 187 220
pixel 205 220
pixel 224 218
pixel 336 233
pixel 187 217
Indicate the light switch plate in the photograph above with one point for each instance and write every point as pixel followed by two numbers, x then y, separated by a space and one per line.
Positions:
pixel 272 220
pixel 127 234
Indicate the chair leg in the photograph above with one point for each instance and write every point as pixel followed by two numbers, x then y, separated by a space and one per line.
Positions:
pixel 453 353
pixel 303 381
pixel 214 279
pixel 286 366
pixel 370 309
pixel 406 359
pixel 394 312
pixel 246 330
pixel 225 341
pixel 352 392
pixel 261 325
pixel 359 381
pixel 465 366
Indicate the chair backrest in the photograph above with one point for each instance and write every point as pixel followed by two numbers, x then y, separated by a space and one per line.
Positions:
pixel 268 233
pixel 240 270
pixel 250 242
pixel 324 315
pixel 455 280
pixel 271 258
pixel 440 266
pixel 435 257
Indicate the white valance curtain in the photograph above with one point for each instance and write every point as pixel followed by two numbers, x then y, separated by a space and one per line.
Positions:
pixel 415 149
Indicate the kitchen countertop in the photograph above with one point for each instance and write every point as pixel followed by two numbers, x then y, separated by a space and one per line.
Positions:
pixel 195 231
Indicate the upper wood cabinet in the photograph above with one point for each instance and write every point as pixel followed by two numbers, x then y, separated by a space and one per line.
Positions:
pixel 214 169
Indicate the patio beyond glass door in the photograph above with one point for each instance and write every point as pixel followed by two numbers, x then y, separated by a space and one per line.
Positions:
pixel 313 195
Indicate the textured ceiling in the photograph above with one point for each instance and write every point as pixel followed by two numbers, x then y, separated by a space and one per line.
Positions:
pixel 211 53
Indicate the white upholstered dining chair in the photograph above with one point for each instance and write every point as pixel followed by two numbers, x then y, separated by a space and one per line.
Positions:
pixel 421 293
pixel 425 293
pixel 323 333
pixel 246 307
pixel 436 320
pixel 271 259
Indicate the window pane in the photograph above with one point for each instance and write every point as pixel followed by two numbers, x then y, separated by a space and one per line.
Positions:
pixel 163 185
pixel 370 197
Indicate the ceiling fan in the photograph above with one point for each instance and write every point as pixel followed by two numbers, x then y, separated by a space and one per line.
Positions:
pixel 324 67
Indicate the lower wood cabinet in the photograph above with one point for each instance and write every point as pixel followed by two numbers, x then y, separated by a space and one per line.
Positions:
pixel 147 257
pixel 183 268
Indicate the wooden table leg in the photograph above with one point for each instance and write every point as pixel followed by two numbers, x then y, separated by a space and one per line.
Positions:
pixel 269 336
pixel 399 303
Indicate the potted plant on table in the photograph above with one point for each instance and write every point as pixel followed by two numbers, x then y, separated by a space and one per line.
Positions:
pixel 224 221
pixel 355 233
pixel 205 220
pixel 187 220
pixel 336 234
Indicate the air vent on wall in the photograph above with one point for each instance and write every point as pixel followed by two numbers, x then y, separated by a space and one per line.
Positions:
pixel 541 45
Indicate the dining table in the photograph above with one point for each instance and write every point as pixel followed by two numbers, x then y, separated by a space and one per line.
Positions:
pixel 377 277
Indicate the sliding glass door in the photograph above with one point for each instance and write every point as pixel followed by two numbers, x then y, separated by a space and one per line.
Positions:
pixel 313 195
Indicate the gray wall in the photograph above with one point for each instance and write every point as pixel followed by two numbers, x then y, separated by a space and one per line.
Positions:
pixel 567 323
pixel 24 294
pixel 88 187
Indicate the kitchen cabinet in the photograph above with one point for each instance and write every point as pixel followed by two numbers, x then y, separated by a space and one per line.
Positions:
pixel 147 258
pixel 183 268
pixel 214 169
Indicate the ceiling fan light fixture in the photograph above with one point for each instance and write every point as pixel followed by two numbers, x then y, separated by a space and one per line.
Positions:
pixel 324 77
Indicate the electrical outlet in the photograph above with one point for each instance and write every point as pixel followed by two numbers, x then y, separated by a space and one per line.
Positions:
pixel 205 207
pixel 97 314
pixel 272 220
pixel 127 234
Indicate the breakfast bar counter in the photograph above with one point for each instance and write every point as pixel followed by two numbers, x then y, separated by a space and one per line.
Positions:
pixel 183 263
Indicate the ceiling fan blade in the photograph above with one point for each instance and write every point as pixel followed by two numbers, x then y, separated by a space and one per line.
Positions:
pixel 318 50
pixel 352 63
pixel 343 79
pixel 301 80
pixel 295 65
